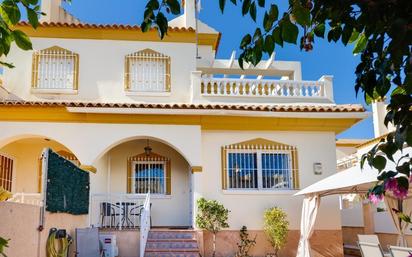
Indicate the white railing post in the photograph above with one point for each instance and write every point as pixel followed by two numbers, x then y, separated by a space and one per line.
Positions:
pixel 195 86
pixel 145 225
pixel 327 86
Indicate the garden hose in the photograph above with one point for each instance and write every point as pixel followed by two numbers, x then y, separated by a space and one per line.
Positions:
pixel 57 246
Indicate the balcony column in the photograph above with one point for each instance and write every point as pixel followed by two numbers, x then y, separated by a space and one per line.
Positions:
pixel 195 86
pixel 328 86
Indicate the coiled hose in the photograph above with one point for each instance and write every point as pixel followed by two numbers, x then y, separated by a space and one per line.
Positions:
pixel 57 247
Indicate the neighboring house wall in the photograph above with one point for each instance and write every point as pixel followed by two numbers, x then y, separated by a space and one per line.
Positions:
pixel 102 69
pixel 25 238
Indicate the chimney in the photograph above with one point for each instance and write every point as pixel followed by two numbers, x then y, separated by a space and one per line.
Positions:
pixel 52 10
pixel 190 13
pixel 379 113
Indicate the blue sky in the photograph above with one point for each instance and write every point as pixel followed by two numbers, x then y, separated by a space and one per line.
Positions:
pixel 326 58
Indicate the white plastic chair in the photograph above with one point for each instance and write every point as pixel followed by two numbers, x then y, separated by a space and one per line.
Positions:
pixel 397 251
pixel 368 239
pixel 370 249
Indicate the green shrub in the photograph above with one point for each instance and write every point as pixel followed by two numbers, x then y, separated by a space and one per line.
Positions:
pixel 276 227
pixel 211 216
pixel 3 244
pixel 245 243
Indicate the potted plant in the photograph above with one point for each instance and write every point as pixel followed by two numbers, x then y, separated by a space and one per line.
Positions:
pixel 211 216
pixel 245 243
pixel 276 228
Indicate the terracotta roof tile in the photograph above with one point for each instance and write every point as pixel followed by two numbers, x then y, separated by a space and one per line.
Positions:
pixel 100 26
pixel 257 108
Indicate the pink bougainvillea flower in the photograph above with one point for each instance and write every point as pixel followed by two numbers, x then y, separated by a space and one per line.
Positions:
pixel 375 199
pixel 398 191
pixel 391 184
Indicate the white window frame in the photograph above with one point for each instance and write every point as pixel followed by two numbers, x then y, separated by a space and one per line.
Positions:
pixel 259 153
pixel 133 184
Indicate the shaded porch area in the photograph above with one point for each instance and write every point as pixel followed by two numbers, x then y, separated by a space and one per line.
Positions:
pixel 130 170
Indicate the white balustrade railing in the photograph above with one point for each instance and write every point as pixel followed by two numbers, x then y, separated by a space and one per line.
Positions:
pixel 262 88
pixel 347 162
pixel 145 224
pixel 27 198
pixel 116 210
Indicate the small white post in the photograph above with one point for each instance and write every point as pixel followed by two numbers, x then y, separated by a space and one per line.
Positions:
pixel 195 86
pixel 328 87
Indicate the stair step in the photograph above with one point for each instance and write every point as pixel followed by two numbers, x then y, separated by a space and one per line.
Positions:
pixel 171 254
pixel 172 235
pixel 172 243
pixel 175 245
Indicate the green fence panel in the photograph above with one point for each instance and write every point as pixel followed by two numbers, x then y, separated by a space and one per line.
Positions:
pixel 68 187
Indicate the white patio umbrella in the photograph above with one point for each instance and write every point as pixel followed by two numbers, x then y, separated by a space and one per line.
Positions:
pixel 352 180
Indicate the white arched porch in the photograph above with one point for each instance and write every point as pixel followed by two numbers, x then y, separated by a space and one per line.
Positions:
pixel 90 141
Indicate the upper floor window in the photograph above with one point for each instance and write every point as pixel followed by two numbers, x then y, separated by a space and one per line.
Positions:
pixel 55 70
pixel 149 173
pixel 147 71
pixel 259 164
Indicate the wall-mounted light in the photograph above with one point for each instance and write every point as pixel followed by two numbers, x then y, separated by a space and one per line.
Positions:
pixel 148 149
pixel 317 168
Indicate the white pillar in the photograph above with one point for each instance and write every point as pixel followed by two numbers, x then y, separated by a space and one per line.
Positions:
pixel 379 113
pixel 52 10
pixel 328 84
pixel 190 13
pixel 195 86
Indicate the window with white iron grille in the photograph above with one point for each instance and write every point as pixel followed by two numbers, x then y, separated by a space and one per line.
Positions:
pixel 149 173
pixel 260 165
pixel 147 71
pixel 55 70
pixel 6 172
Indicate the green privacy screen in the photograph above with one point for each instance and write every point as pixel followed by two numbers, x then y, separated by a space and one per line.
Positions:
pixel 67 186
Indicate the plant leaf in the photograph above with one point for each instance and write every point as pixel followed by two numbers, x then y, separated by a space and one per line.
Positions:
pixel 22 40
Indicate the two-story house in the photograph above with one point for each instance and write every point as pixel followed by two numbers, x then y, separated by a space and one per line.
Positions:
pixel 149 115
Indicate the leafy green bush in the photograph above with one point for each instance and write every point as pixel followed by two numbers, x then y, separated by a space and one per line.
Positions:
pixel 245 243
pixel 276 227
pixel 3 244
pixel 211 216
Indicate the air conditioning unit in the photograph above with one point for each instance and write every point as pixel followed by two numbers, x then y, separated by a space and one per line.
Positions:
pixel 109 245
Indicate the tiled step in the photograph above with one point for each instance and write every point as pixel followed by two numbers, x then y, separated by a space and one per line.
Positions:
pixel 172 243
pixel 179 234
pixel 162 245
pixel 171 254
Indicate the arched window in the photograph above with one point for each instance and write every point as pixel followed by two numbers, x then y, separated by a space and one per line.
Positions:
pixel 148 173
pixel 259 164
pixel 147 71
pixel 55 70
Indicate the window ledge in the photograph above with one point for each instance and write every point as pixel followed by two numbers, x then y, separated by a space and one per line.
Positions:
pixel 54 91
pixel 260 192
pixel 139 93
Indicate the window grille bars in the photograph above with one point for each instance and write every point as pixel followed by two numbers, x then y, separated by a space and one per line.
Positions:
pixel 147 71
pixel 6 172
pixel 55 69
pixel 262 167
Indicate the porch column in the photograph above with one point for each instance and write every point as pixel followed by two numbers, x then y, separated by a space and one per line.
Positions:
pixel 368 218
